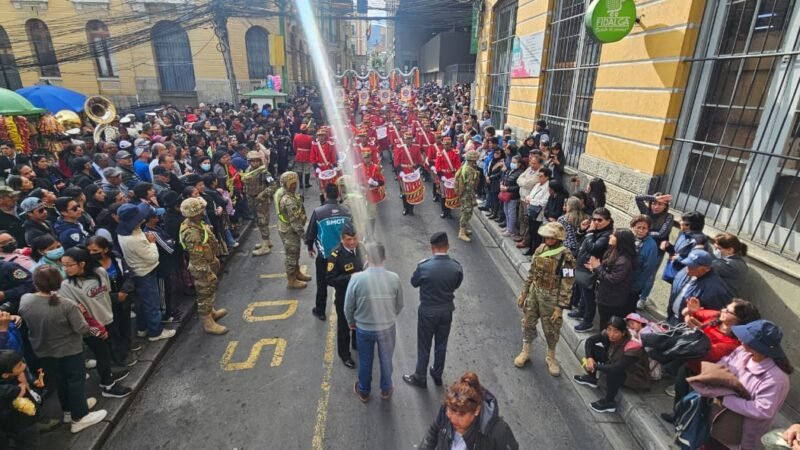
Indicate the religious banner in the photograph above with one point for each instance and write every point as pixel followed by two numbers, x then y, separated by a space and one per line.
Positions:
pixel 405 93
pixel 385 95
pixel 363 97
pixel 526 55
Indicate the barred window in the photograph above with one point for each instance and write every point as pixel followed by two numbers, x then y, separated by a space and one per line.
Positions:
pixel 505 24
pixel 9 74
pixel 43 49
pixel 571 72
pixel 98 36
pixel 736 156
pixel 173 57
pixel 257 42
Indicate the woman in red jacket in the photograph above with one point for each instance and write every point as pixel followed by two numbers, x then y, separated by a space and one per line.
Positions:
pixel 717 325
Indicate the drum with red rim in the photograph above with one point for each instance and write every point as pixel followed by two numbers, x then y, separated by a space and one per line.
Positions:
pixel 451 200
pixel 413 188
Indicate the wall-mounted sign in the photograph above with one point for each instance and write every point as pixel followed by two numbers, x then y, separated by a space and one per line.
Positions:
pixel 526 55
pixel 610 20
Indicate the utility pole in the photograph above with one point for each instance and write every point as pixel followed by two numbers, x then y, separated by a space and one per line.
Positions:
pixel 221 30
pixel 282 22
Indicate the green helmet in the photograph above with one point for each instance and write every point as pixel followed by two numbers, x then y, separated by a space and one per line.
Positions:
pixel 553 230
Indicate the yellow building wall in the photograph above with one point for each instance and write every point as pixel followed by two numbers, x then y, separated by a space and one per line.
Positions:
pixel 640 80
pixel 135 66
pixel 640 86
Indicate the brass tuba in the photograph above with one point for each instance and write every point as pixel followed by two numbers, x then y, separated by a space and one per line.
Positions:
pixel 68 119
pixel 101 111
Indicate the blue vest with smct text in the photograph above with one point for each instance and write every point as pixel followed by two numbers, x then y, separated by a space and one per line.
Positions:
pixel 329 233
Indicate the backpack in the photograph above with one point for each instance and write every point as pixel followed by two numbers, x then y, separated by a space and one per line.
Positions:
pixel 692 421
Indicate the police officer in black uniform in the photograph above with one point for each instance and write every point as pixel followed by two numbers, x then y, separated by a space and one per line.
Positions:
pixel 14 283
pixel 348 258
pixel 438 277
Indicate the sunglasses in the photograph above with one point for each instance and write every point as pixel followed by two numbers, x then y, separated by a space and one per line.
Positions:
pixel 75 208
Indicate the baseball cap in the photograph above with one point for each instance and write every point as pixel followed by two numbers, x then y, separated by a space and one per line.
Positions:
pixel 696 258
pixel 140 150
pixel 110 172
pixel 31 204
pixel 6 191
pixel 122 155
pixel 636 317
pixel 124 144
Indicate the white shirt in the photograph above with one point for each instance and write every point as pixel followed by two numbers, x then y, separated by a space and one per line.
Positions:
pixel 140 254
pixel 539 196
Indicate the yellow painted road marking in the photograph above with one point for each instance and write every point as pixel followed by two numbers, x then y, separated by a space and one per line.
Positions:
pixel 322 405
pixel 268 276
pixel 248 312
pixel 255 351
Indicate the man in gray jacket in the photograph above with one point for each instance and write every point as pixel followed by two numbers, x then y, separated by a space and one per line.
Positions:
pixel 372 302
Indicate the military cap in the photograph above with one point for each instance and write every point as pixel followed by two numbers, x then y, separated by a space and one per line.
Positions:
pixel 553 230
pixel 472 155
pixel 288 177
pixel 251 155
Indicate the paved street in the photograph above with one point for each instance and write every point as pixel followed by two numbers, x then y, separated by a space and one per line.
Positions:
pixel 206 393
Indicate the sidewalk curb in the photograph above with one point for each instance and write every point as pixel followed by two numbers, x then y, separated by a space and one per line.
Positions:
pixel 96 440
pixel 649 431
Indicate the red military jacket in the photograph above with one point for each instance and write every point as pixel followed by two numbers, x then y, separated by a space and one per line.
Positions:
pixel 323 155
pixel 372 192
pixel 302 148
pixel 442 166
pixel 401 156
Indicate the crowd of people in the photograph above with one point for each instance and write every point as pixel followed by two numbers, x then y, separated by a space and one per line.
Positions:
pixel 91 238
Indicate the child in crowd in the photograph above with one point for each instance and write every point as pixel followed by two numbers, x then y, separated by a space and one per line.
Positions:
pixel 19 403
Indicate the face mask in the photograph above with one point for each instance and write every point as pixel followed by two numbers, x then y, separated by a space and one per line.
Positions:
pixel 96 256
pixel 717 254
pixel 54 254
pixel 514 166
pixel 205 166
pixel 9 246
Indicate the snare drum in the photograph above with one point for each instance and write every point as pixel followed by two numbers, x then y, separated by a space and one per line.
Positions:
pixel 451 200
pixel 327 177
pixel 413 188
pixel 376 194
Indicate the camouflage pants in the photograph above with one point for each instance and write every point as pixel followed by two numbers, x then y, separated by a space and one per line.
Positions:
pixel 539 306
pixel 291 246
pixel 466 211
pixel 205 284
pixel 261 208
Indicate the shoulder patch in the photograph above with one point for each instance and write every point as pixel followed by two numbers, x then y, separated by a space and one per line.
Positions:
pixel 75 237
pixel 330 266
pixel 334 253
pixel 19 274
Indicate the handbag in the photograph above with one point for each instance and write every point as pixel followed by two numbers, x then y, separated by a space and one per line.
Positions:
pixel 533 211
pixel 677 343
pixel 585 279
pixel 726 426
pixel 669 272
pixel 505 196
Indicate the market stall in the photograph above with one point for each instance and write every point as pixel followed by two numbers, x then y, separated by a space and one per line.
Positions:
pixel 16 114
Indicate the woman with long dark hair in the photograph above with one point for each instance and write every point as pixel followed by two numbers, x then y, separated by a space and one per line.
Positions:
pixel 88 285
pixel 615 276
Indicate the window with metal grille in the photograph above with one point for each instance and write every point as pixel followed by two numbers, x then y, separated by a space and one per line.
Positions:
pixel 173 57
pixel 505 25
pixel 42 44
pixel 257 45
pixel 570 75
pixel 736 156
pixel 9 75
pixel 98 36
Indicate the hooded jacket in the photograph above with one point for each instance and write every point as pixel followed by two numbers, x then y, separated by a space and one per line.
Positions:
pixel 70 234
pixel 488 432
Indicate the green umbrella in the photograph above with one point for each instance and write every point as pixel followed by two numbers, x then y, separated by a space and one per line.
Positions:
pixel 13 104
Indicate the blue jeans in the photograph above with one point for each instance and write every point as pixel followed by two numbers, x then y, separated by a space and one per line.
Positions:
pixel 510 208
pixel 366 353
pixel 148 314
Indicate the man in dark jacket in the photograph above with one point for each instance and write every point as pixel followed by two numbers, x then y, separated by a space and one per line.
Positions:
pixel 68 227
pixel 9 158
pixel 322 236
pixel 348 258
pixel 438 278
pixel 9 220
pixel 36 223
pixel 696 280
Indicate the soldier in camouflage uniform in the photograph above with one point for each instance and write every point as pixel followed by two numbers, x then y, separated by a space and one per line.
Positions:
pixel 259 187
pixel 467 179
pixel 291 226
pixel 546 291
pixel 199 242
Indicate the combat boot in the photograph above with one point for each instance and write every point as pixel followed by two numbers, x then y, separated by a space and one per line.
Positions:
pixel 524 356
pixel 217 314
pixel 469 232
pixel 301 276
pixel 268 243
pixel 552 364
pixel 294 283
pixel 211 327
pixel 462 234
pixel 262 250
